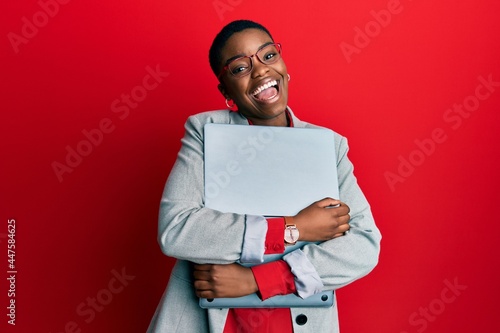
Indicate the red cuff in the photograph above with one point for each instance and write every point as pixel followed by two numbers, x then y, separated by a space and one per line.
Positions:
pixel 274 242
pixel 274 278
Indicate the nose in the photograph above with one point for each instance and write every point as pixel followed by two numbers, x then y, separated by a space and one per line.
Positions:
pixel 259 69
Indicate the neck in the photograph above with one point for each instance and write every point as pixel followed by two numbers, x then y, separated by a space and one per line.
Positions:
pixel 281 120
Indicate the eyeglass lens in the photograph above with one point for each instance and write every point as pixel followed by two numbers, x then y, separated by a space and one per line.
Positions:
pixel 269 54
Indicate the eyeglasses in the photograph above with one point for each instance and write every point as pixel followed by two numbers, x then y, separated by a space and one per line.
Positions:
pixel 268 54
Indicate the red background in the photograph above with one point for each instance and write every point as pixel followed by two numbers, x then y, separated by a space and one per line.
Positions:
pixel 438 225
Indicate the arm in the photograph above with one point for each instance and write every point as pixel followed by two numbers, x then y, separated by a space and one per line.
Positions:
pixel 337 261
pixel 342 260
pixel 187 230
pixel 234 280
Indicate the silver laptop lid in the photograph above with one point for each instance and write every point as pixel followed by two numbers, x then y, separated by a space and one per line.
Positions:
pixel 270 171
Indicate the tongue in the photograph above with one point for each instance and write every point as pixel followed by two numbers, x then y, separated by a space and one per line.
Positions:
pixel 266 94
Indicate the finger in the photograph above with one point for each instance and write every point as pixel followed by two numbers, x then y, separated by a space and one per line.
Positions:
pixel 342 210
pixel 344 205
pixel 205 293
pixel 328 202
pixel 343 220
pixel 202 267
pixel 202 285
pixel 341 230
pixel 202 275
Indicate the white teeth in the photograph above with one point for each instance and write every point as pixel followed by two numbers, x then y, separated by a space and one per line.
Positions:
pixel 264 87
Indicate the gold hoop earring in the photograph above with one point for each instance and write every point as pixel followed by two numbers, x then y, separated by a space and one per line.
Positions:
pixel 227 103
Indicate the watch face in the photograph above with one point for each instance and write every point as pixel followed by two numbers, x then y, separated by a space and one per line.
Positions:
pixel 291 234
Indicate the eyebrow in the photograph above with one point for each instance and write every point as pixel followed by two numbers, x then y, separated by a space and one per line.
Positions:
pixel 244 55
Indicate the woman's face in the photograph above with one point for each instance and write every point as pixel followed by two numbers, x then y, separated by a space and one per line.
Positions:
pixel 264 108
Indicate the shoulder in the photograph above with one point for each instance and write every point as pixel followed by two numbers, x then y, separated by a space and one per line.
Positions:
pixel 217 117
pixel 195 124
pixel 340 140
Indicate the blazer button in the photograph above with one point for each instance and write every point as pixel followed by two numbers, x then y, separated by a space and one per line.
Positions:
pixel 301 319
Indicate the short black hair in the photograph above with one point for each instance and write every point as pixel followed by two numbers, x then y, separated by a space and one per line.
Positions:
pixel 214 54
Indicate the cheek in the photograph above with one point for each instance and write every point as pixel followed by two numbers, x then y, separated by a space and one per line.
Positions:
pixel 238 90
pixel 281 68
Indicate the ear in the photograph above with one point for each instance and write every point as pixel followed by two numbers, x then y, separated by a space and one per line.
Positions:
pixel 223 91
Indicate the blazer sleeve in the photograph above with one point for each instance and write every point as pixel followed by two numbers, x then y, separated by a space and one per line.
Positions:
pixel 345 259
pixel 189 231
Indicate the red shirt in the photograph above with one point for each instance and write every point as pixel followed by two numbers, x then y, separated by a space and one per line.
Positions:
pixel 274 278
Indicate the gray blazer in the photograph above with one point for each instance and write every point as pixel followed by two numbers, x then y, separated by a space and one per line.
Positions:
pixel 192 233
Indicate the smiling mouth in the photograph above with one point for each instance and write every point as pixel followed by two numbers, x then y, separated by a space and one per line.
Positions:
pixel 266 91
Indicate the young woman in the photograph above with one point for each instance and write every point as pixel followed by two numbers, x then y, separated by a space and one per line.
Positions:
pixel 208 243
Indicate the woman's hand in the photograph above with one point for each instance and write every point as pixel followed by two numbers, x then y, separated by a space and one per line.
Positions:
pixel 215 281
pixel 323 220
